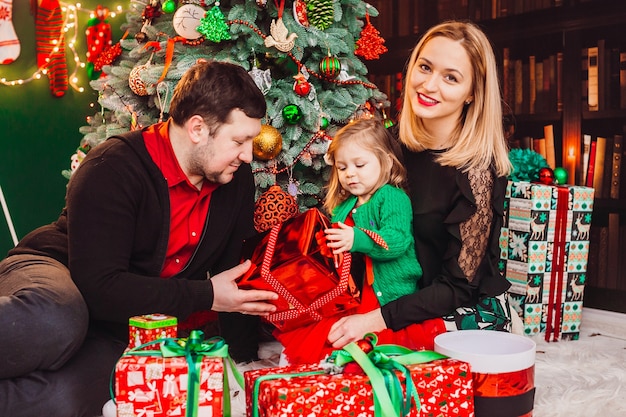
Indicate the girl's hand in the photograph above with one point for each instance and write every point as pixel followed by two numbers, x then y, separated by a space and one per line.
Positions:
pixel 340 238
pixel 352 328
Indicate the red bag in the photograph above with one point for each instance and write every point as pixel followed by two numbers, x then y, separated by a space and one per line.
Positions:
pixel 293 260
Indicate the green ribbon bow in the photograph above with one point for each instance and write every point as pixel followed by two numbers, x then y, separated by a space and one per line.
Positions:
pixel 193 349
pixel 380 366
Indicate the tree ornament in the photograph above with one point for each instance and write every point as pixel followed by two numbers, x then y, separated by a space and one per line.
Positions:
pixel 9 43
pixel 213 25
pixel 365 345
pixel 324 123
pixel 50 44
pixel 261 3
pixel 292 114
pixel 301 86
pixel 330 66
pixel 169 6
pixel 370 44
pixel 98 35
pixel 321 13
pixel 560 175
pixel 135 81
pixel 268 143
pixel 262 79
pixel 300 13
pixel 274 206
pixel 187 19
pixel 546 176
pixel 387 122
pixel 279 37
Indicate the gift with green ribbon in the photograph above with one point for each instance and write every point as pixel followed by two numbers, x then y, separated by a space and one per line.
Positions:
pixel 391 381
pixel 150 380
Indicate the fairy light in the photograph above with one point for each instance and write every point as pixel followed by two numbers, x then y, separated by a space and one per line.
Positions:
pixel 69 32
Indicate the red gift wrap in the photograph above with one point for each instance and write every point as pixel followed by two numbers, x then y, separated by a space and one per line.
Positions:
pixel 149 327
pixel 156 386
pixel 444 387
pixel 293 260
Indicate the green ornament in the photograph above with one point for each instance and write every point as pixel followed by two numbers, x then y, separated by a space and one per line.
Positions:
pixel 560 175
pixel 213 26
pixel 169 6
pixel 292 114
pixel 324 123
pixel 387 123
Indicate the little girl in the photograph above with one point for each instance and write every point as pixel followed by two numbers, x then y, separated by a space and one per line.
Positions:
pixel 372 219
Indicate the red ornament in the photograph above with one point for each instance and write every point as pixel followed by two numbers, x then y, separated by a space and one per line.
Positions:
pixel 546 176
pixel 370 44
pixel 301 86
pixel 365 345
pixel 274 206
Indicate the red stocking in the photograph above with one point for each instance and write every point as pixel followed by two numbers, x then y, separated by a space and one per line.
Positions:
pixel 9 44
pixel 49 35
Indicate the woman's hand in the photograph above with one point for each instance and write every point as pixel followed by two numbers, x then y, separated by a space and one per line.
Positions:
pixel 352 328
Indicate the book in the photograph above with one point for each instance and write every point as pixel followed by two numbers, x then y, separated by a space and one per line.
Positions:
pixel 592 84
pixel 603 75
pixel 592 164
pixel 584 76
pixel 598 172
pixel 539 146
pixel 608 168
pixel 586 149
pixel 539 90
pixel 616 166
pixel 559 82
pixel 548 134
pixel 622 79
pixel 519 86
pixel 613 84
pixel 532 83
pixel 613 251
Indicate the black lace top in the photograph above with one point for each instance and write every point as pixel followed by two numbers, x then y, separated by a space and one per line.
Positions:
pixel 456 221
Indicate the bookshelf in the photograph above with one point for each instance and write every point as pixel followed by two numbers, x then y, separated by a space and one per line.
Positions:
pixel 552 37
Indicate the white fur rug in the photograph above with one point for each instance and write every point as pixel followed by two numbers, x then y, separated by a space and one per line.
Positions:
pixel 585 377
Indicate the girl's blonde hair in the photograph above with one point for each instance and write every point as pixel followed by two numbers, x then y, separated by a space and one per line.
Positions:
pixel 373 136
pixel 479 138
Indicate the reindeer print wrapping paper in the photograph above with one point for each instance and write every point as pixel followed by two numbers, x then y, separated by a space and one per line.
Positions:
pixel 544 245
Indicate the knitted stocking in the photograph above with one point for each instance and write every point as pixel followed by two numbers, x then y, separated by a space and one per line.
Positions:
pixel 49 35
pixel 9 44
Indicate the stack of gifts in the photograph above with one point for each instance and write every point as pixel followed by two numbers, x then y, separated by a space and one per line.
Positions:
pixel 173 377
pixel 385 381
pixel 544 245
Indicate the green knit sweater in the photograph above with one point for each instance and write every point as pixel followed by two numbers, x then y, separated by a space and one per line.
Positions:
pixel 388 214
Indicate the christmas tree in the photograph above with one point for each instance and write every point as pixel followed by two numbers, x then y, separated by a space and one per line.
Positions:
pixel 305 55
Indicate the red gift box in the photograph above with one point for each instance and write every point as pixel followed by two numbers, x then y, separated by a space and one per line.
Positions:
pixel 444 387
pixel 149 327
pixel 293 260
pixel 164 383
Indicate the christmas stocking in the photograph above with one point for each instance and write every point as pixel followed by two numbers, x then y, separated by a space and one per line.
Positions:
pixel 9 44
pixel 50 44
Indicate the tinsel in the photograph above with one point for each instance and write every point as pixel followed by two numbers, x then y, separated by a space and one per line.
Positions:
pixel 526 165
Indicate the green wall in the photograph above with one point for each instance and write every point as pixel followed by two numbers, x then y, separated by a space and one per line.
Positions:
pixel 39 132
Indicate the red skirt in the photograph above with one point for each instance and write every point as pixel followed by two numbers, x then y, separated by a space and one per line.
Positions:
pixel 309 344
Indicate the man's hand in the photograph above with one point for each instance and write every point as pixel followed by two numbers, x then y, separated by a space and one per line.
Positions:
pixel 227 297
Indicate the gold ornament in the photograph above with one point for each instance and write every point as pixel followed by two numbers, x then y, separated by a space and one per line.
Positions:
pixel 135 82
pixel 268 143
pixel 273 206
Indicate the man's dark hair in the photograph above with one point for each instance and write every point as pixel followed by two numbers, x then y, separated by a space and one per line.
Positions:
pixel 212 89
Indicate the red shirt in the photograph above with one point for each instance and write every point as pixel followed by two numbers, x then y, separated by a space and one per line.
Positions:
pixel 189 206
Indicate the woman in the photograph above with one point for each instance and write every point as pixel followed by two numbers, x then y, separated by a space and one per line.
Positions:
pixel 457 163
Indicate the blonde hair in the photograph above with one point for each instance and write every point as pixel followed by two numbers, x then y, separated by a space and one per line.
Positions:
pixel 370 134
pixel 478 140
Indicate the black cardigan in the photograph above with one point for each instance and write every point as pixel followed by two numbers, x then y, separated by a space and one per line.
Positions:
pixel 113 235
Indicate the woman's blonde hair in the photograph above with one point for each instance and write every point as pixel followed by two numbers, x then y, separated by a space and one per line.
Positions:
pixel 479 139
pixel 370 134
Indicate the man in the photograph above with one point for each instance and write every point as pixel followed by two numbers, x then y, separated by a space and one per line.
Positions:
pixel 154 222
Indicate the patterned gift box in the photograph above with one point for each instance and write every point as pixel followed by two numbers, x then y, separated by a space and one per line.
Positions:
pixel 444 387
pixel 160 383
pixel 149 327
pixel 544 245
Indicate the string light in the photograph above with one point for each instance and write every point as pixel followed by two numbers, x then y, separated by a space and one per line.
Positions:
pixel 70 29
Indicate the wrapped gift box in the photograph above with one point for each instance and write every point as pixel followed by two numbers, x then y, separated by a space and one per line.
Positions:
pixel 163 383
pixel 544 245
pixel 149 327
pixel 293 260
pixel 444 387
